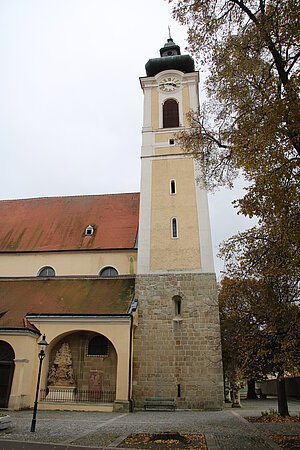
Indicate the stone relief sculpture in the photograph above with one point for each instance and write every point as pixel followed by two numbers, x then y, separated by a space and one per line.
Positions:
pixel 61 371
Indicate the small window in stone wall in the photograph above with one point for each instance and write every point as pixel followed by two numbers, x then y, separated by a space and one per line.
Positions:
pixel 178 305
pixel 178 391
pixel 98 346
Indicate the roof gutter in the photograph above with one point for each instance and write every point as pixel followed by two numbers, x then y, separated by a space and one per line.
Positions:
pixel 74 250
pixel 75 318
pixel 66 277
pixel 18 330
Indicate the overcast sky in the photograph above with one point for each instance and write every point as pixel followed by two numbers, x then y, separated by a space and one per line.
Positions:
pixel 71 102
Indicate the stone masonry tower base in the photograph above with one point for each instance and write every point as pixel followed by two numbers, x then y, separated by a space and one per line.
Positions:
pixel 178 355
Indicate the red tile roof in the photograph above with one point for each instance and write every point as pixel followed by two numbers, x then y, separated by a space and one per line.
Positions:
pixel 19 297
pixel 58 223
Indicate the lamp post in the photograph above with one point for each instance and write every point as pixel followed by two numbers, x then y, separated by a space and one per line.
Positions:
pixel 43 343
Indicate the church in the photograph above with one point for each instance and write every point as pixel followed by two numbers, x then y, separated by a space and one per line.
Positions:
pixel 120 286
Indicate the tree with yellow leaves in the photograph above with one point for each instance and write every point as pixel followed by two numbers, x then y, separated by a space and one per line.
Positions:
pixel 260 334
pixel 252 119
pixel 250 124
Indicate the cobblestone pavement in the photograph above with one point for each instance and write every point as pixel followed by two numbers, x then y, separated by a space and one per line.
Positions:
pixel 225 430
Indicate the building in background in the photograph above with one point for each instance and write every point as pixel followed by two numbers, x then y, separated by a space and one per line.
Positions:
pixel 122 285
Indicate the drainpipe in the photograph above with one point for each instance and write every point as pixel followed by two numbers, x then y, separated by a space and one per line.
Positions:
pixel 130 362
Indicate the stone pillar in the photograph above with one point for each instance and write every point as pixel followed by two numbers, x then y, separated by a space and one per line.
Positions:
pixel 19 400
pixel 122 378
pixel 121 403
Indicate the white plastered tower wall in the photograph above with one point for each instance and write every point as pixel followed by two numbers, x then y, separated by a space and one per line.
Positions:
pixel 177 346
pixel 155 147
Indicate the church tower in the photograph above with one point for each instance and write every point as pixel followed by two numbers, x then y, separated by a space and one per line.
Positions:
pixel 177 350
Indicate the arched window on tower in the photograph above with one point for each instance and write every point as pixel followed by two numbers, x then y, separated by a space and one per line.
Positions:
pixel 170 114
pixel 174 228
pixel 172 187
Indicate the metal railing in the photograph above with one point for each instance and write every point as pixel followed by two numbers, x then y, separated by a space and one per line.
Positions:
pixel 76 396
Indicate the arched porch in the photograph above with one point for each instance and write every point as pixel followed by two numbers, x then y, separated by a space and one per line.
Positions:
pixel 91 381
pixel 82 369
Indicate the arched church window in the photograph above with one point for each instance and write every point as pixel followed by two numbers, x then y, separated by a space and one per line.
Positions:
pixel 98 346
pixel 170 114
pixel 108 272
pixel 46 271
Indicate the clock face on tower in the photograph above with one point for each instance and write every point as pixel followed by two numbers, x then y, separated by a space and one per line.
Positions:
pixel 169 84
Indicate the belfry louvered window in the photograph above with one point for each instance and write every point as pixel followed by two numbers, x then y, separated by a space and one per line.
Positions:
pixel 170 114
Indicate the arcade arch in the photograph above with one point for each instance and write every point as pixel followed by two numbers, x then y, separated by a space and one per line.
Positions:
pixel 90 372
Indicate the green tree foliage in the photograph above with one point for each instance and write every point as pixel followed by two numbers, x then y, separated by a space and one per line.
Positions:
pixel 260 332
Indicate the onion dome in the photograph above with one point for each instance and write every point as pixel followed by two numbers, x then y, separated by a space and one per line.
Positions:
pixel 170 58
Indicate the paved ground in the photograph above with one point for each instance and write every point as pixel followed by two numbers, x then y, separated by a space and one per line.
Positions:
pixel 226 430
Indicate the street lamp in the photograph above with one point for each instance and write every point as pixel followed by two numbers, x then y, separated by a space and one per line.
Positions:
pixel 43 343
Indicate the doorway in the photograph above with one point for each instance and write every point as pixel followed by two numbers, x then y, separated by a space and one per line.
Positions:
pixel 7 367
